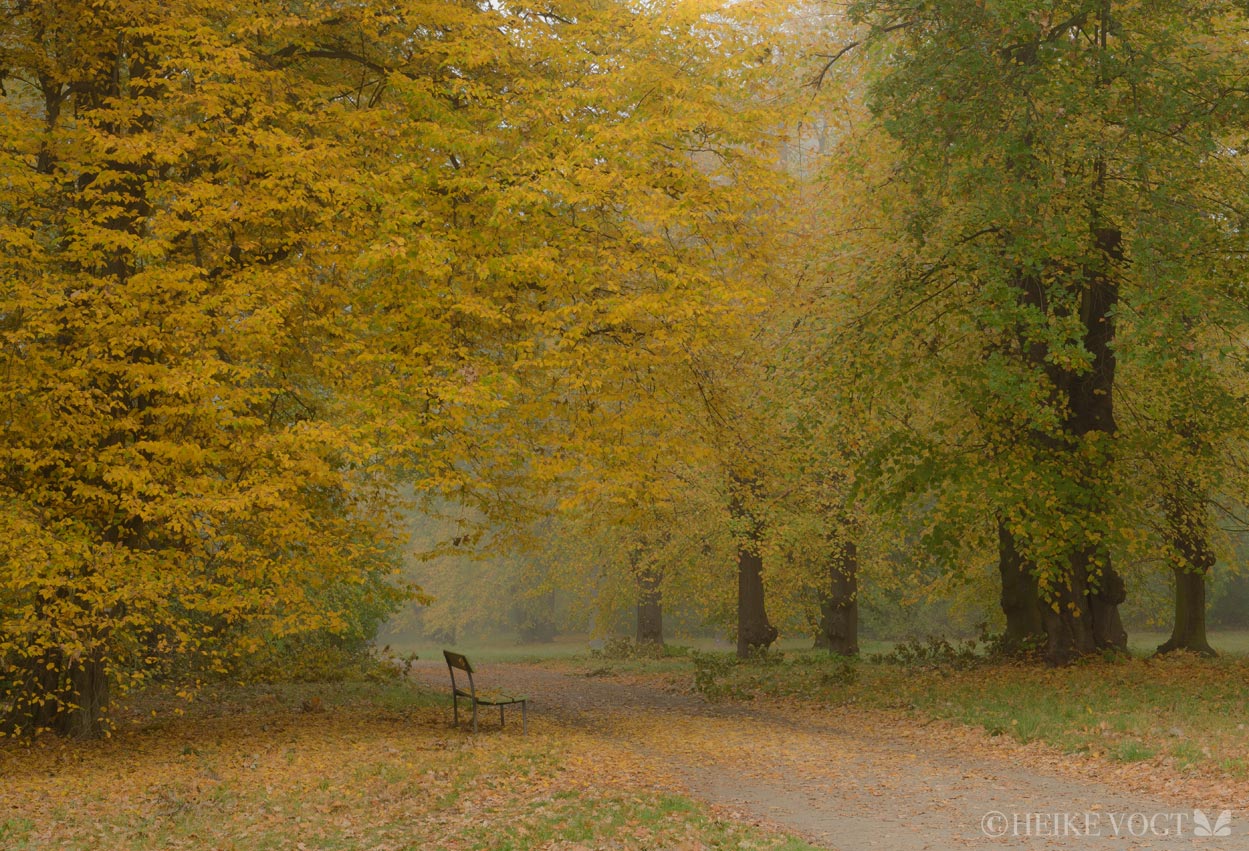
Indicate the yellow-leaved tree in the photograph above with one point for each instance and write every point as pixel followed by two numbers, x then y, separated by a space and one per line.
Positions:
pixel 599 203
pixel 180 204
pixel 259 257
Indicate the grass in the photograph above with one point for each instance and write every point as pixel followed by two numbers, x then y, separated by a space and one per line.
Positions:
pixel 495 651
pixel 662 821
pixel 1180 710
pixel 1231 642
pixel 575 648
pixel 1185 710
pixel 378 767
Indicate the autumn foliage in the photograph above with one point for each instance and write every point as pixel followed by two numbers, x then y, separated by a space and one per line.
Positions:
pixel 261 262
pixel 730 300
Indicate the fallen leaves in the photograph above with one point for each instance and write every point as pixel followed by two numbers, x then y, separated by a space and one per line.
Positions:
pixel 246 773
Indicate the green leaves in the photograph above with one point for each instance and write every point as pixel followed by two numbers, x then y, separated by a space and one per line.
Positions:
pixel 1060 167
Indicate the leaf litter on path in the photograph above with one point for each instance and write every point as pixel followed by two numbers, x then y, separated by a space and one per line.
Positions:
pixel 851 778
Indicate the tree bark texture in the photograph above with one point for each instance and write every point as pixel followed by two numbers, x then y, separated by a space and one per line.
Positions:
pixel 839 605
pixel 650 625
pixel 1193 558
pixel 1021 603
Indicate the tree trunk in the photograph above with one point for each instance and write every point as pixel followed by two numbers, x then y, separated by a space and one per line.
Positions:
pixel 1091 419
pixel 67 697
pixel 1083 615
pixel 1082 612
pixel 1104 603
pixel 650 627
pixel 1068 623
pixel 1091 403
pixel 1083 618
pixel 1021 604
pixel 89 693
pixel 1189 629
pixel 1193 559
pixel 839 605
pixel 754 630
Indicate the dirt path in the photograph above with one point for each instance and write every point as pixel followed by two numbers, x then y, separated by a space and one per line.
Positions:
pixel 860 781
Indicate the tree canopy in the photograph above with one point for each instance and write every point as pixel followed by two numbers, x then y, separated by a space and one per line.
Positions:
pixel 742 301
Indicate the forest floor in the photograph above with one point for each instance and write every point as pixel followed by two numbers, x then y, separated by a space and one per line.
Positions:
pixel 852 777
pixel 626 756
pixel 368 766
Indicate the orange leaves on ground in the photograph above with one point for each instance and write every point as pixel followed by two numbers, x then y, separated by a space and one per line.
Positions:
pixel 379 768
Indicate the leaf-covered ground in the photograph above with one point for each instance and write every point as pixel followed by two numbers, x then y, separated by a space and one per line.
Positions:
pixel 850 775
pixel 378 768
pixel 897 758
pixel 1180 714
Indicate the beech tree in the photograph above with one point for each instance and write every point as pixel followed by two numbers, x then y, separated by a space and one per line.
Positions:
pixel 258 261
pixel 632 250
pixel 178 208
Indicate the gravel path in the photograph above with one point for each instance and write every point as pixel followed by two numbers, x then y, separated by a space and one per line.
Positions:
pixel 852 780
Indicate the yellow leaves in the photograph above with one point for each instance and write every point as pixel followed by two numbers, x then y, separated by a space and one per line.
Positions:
pixel 172 300
pixel 268 265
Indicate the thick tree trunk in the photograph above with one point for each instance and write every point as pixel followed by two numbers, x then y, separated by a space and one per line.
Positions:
pixel 1091 409
pixel 1189 629
pixel 1081 613
pixel 1020 601
pixel 89 693
pixel 650 627
pixel 1083 618
pixel 754 630
pixel 839 605
pixel 1104 603
pixel 1193 559
pixel 1091 419
pixel 68 697
pixel 1068 622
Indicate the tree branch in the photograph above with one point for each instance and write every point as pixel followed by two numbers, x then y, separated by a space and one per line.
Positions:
pixel 832 60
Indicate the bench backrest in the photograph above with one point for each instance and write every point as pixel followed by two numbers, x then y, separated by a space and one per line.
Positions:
pixel 459 660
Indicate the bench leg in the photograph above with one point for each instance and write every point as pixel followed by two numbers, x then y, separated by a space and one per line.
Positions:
pixel 501 721
pixel 474 716
pixel 455 709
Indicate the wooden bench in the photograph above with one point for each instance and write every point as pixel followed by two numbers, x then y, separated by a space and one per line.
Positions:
pixel 457 661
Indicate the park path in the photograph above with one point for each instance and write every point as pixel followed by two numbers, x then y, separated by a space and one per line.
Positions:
pixel 861 780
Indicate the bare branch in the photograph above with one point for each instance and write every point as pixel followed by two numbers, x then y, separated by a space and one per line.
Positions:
pixel 832 60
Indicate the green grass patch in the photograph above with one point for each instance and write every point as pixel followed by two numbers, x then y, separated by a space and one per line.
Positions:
pixel 1181 709
pixel 1227 642
pixel 1187 708
pixel 1132 751
pixel 635 822
pixel 574 650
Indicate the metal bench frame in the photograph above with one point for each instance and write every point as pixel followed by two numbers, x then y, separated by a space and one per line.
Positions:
pixel 458 661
